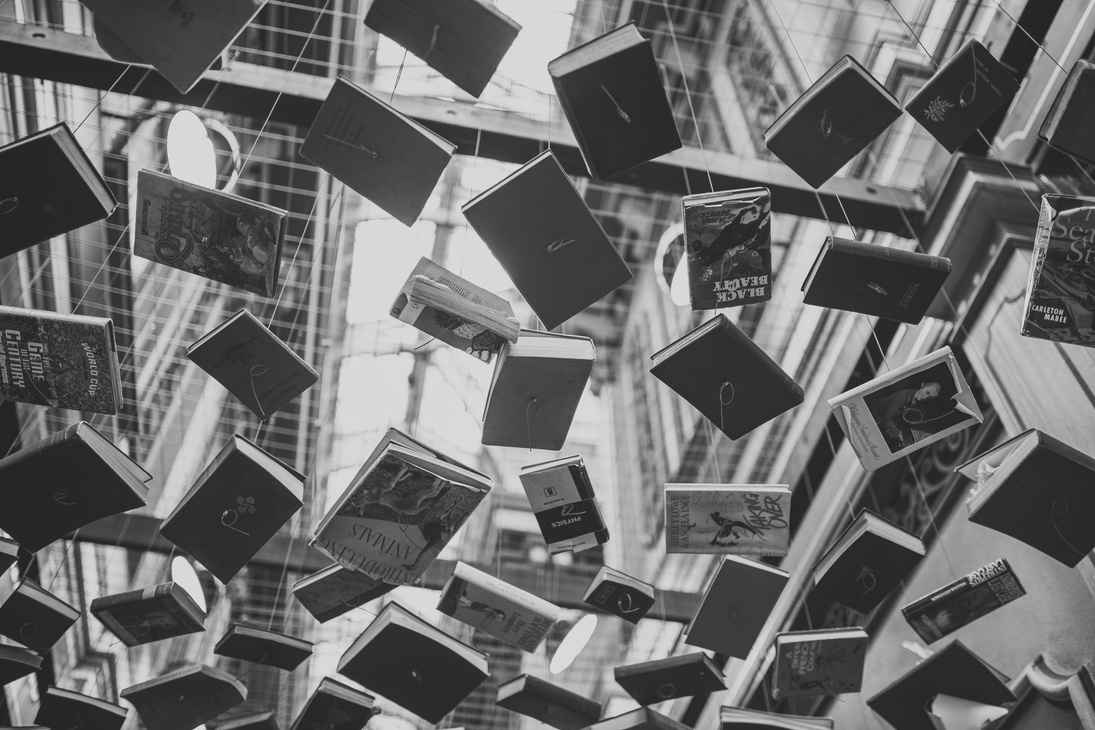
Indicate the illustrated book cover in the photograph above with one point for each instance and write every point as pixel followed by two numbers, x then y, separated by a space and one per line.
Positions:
pixel 150 614
pixel 906 409
pixel 496 607
pixel 185 698
pixel 957 604
pixel 735 606
pixel 63 708
pixel 379 152
pixel 659 680
pixel 620 594
pixel 611 92
pixel 59 360
pixel 540 229
pixel 336 706
pixel 548 703
pixel 335 590
pixel 822 662
pixel 16 662
pixel 833 121
pixel 742 519
pixel 562 498
pixel 726 377
pixel 258 645
pixel 1067 125
pixel 33 616
pixel 641 719
pixel 741 718
pixel 873 279
pixel 728 239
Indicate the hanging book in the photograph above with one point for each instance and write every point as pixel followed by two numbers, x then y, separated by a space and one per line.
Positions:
pixel 150 614
pixel 63 708
pixel 743 519
pixel 16 662
pixel 185 698
pixel 619 594
pixel 948 712
pixel 266 720
pixel 548 703
pixel 735 606
pixel 254 644
pixel 33 616
pixel 641 719
pixel 562 498
pixel 659 680
pixel 741 718
pixel 947 609
pixel 1067 126
pixel 336 706
pixel 335 590
pixel 9 553
pixel 822 662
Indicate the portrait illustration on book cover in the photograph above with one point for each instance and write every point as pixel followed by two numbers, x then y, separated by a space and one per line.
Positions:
pixel 729 249
pixel 916 407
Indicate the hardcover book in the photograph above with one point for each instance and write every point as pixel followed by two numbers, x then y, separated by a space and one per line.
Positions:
pixel 495 607
pixel 249 360
pixel 1040 491
pixel 48 187
pixel 65 481
pixel 63 708
pixel 823 662
pixel 743 519
pixel 59 360
pixel 414 664
pixel 728 238
pixel 377 151
pixel 185 698
pixel 336 706
pixel 741 718
pixel 33 616
pixel 220 236
pixel 263 646
pixel 735 606
pixel 335 590
pixel 463 40
pixel 726 377
pixel 565 506
pixel 610 90
pixel 667 679
pixel 16 662
pixel 540 229
pixel 548 703
pixel 266 720
pixel 150 614
pixel 1067 124
pixel 833 121
pixel 906 409
pixel 872 279
pixel 1059 301
pixel 947 712
pixel 455 311
pixel 641 719
pixel 620 594
pixel 9 553
pixel 235 506
pixel 535 390
pixel 966 90
pixel 947 609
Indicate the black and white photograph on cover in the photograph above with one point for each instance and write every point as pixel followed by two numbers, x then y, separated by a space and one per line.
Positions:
pixel 916 407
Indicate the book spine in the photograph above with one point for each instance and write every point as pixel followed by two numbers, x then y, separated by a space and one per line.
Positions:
pixel 68 436
pixel 913 258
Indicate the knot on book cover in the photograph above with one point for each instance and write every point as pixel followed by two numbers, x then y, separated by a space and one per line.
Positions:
pixel 9 204
pixel 230 516
pixel 619 110
pixel 667 691
pixel 1060 506
pixel 433 43
pixel 723 402
pixel 529 415
pixel 371 153
pixel 255 371
pixel 259 659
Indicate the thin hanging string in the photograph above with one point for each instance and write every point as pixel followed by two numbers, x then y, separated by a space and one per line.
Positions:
pixel 472 194
pixel 1060 506
pixel 664 73
pixel 931 515
pixel 832 449
pixel 300 241
pixel 399 71
pixel 712 440
pixel 1028 35
pixel 528 419
pixel 687 93
pixel 99 102
pixel 604 20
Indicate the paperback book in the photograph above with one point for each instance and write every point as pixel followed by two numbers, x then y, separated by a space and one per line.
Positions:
pixel 185 698
pixel 336 706
pixel 620 594
pixel 735 606
pixel 741 718
pixel 335 590
pixel 150 614
pixel 743 519
pixel 565 506
pixel 548 703
pixel 33 616
pixel 947 609
pixel 823 662
pixel 254 644
pixel 659 680
pixel 1067 124
pixel 63 708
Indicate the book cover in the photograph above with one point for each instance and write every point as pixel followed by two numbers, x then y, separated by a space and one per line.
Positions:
pixel 1060 299
pixel 610 90
pixel 641 719
pixel 833 121
pixel 562 498
pixel 1069 119
pixel 743 519
pixel 620 594
pixel 824 662
pixel 59 360
pixel 33 616
pixel 463 40
pixel 336 706
pixel 876 280
pixel 249 360
pixel 48 187
pixel 728 238
pixel 235 506
pixel 150 614
pixel 16 662
pixel 742 718
pixel 947 609
pixel 220 236
pixel 335 590
pixel 548 703
pixel 377 151
pixel 659 680
pixel 726 376
pixel 495 607
pixel 263 646
pixel 185 698
pixel 9 553
pixel 62 708
pixel 735 606
pixel 540 229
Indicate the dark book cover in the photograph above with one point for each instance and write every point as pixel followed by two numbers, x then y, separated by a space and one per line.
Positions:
pixel 962 95
pixel 16 662
pixel 832 122
pixel 735 606
pixel 62 708
pixel 824 662
pixel 244 356
pixel 876 280
pixel 953 670
pixel 377 151
pixel 742 519
pixel 335 590
pixel 9 553
pixel 566 509
pixel 549 703
pixel 59 360
pixel 1067 126
pixel 727 377
pixel 236 505
pixel 962 602
pixel 220 236
pixel 33 616
pixel 728 239
pixel 540 229
pixel 185 698
pixel 90 479
pixel 610 90
pixel 263 646
pixel 48 187
pixel 266 720
pixel 620 594
pixel 666 679
pixel 335 706
pixel 1060 299
pixel 463 40
pixel 150 614
pixel 641 719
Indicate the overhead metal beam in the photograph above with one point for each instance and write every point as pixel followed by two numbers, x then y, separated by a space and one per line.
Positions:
pixel 295 98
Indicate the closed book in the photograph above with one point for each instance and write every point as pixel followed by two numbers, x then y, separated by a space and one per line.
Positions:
pixel 735 606
pixel 335 590
pixel 16 662
pixel 620 594
pixel 534 393
pixel 376 150
pixel 562 498
pixel 872 279
pixel 610 90
pixel 185 698
pixel 33 616
pixel 742 519
pixel 1060 297
pixel 823 662
pixel 833 121
pixel 217 235
pixel 9 553
pixel 1067 125
pixel 728 242
pixel 726 376
pixel 265 720
pixel 537 225
pixel 656 681
pixel 149 614
pixel 50 187
pixel 414 664
pixel 947 609
pixel 336 706
pixel 235 506
pixel 63 708
pixel 641 719
pixel 59 360
pixel 742 718
pixel 1039 490
pixel 263 646
pixel 495 607
pixel 548 703
pixel 244 356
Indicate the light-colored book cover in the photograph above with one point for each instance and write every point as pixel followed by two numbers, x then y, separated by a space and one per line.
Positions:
pixel 738 519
